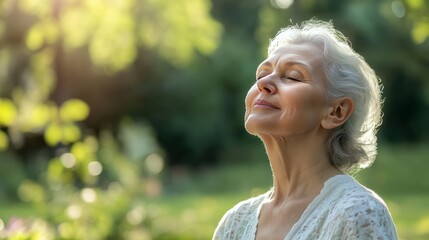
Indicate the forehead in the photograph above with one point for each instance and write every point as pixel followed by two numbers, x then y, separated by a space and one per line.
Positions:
pixel 307 54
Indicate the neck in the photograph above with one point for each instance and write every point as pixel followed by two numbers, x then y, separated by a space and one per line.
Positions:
pixel 300 167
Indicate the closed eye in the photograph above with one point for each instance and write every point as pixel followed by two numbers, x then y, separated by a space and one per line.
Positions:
pixel 291 78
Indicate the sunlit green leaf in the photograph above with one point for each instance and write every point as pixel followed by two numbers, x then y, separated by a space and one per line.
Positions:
pixel 4 141
pixel 74 110
pixel 39 116
pixel 30 191
pixel 420 32
pixel 71 133
pixel 8 112
pixel 44 31
pixel 35 37
pixel 53 134
pixel 57 175
pixel 113 45
pixel 415 4
pixel 113 50
pixel 77 25
pixel 80 150
pixel 165 26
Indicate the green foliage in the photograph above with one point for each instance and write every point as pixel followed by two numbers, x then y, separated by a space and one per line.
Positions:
pixel 62 129
pixel 165 27
pixel 203 107
pixel 95 189
pixel 58 124
pixel 74 110
pixel 114 30
pixel 7 112
pixel 112 35
pixel 417 15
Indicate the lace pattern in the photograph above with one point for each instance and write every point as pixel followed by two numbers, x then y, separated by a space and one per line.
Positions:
pixel 344 209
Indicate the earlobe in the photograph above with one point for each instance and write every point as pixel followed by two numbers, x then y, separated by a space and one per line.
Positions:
pixel 338 113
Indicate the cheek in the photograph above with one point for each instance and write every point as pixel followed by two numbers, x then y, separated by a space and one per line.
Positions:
pixel 250 98
pixel 303 104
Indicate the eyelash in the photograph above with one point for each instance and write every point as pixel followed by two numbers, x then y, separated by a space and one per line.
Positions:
pixel 291 78
pixel 283 78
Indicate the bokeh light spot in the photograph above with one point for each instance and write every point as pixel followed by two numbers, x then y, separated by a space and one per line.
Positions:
pixel 283 4
pixel 135 216
pixel 1 224
pixel 74 211
pixel 88 195
pixel 154 163
pixel 68 160
pixel 95 168
pixel 398 9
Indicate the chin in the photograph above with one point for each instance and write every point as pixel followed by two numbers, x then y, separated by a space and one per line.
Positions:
pixel 250 131
pixel 252 127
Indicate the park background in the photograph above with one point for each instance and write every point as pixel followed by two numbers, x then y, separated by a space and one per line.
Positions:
pixel 123 119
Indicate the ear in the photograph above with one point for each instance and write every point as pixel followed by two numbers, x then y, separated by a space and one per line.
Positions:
pixel 338 113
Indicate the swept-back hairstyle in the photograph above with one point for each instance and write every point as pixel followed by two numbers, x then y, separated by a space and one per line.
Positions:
pixel 353 145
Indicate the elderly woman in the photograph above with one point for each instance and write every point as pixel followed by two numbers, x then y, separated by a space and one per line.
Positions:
pixel 316 106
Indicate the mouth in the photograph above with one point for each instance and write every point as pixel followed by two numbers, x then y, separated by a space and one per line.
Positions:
pixel 264 104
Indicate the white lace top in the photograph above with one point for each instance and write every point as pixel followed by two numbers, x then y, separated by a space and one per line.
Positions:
pixel 344 209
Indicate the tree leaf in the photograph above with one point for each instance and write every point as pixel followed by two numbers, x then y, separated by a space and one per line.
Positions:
pixel 420 32
pixel 8 112
pixel 74 110
pixel 71 133
pixel 81 151
pixel 39 116
pixel 53 134
pixel 30 191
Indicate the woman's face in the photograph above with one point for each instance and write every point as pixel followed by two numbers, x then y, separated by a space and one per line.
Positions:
pixel 289 96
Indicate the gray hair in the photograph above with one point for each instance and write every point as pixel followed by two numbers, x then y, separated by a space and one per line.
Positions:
pixel 352 146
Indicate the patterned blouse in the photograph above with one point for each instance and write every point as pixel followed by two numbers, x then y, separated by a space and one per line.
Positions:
pixel 344 209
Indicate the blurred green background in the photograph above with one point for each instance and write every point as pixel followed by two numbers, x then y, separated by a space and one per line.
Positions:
pixel 122 119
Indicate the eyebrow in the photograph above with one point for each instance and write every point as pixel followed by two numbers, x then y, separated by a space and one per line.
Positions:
pixel 288 62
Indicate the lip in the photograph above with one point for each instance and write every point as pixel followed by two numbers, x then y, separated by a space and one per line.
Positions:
pixel 264 104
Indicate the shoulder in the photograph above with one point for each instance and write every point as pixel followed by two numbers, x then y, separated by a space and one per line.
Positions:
pixel 239 217
pixel 357 198
pixel 356 195
pixel 362 214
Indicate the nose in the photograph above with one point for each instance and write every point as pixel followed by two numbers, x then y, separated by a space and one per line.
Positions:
pixel 266 84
